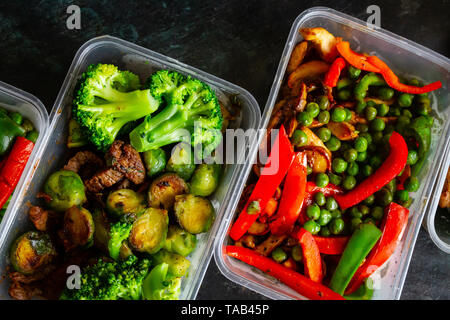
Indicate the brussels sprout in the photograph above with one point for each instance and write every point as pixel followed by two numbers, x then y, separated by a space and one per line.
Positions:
pixel 78 226
pixel 155 161
pixel 32 251
pixel 159 285
pixel 182 162
pixel 205 179
pixel 178 265
pixel 163 190
pixel 125 202
pixel 194 214
pixel 179 241
pixel 101 233
pixel 149 231
pixel 66 189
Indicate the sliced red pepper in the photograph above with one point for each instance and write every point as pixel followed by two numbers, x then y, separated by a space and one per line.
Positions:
pixel 393 81
pixel 298 282
pixel 355 59
pixel 311 190
pixel 333 74
pixel 393 225
pixel 13 167
pixel 311 255
pixel 331 245
pixel 390 169
pixel 280 157
pixel 293 195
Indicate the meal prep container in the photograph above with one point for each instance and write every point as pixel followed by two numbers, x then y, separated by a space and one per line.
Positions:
pixel 403 56
pixel 143 62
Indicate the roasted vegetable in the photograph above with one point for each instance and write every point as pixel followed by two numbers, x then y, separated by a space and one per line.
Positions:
pixel 163 190
pixel 205 179
pixel 149 231
pixel 76 138
pixel 182 161
pixel 178 265
pixel 194 214
pixel 125 203
pixel 155 161
pixel 31 252
pixel 78 226
pixel 65 190
pixel 9 130
pixel 308 70
pixel 180 241
pixel 160 285
pixel 323 41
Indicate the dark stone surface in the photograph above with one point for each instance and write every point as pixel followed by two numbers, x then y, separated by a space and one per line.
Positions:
pixel 240 41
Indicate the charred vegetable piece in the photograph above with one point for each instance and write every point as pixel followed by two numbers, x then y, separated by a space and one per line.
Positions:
pixel 182 162
pixel 155 161
pixel 149 231
pixel 31 252
pixel 205 179
pixel 65 189
pixel 180 241
pixel 194 214
pixel 178 265
pixel 79 226
pixel 125 202
pixel 163 190
pixel 76 137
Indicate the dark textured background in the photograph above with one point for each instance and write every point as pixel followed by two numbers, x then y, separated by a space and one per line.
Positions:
pixel 238 40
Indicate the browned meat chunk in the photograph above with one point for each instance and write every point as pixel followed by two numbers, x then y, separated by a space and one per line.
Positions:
pixel 83 158
pixel 21 291
pixel 39 217
pixel 125 159
pixel 444 202
pixel 103 179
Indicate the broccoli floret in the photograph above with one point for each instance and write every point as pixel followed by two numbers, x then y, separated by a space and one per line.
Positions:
pixel 119 231
pixel 191 114
pixel 106 100
pixel 111 280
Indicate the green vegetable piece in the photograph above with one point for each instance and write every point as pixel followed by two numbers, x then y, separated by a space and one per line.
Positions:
pixel 324 117
pixel 178 265
pixel 313 212
pixel 323 102
pixel 343 83
pixel 412 184
pixel 335 179
pixel 384 197
pixel 324 134
pixel 325 217
pixel 370 79
pixel 370 113
pixel 322 180
pixel 333 144
pixel 16 117
pixel 76 137
pixel 297 253
pixel 361 144
pixel 155 161
pixel 377 212
pixel 180 241
pixel 405 100
pixel 27 125
pixel 350 155
pixel 9 130
pixel 338 114
pixel 304 118
pixel 159 285
pixel 194 214
pixel 352 169
pixel 299 138
pixel 312 227
pixel 279 255
pixel 66 189
pixel 125 203
pixel 337 226
pixel 32 136
pixel 385 93
pixel 331 204
pixel 364 292
pixel 78 226
pixel 353 72
pixel 205 179
pixel 377 124
pixel 182 162
pixel 339 165
pixel 119 232
pixel 420 130
pixel 349 182
pixel 382 110
pixel 320 199
pixel 313 109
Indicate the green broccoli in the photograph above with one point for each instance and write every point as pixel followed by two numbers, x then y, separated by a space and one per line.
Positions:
pixel 111 281
pixel 191 114
pixel 106 100
pixel 118 232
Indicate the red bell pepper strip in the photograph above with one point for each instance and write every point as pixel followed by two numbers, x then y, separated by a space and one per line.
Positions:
pixel 13 167
pixel 298 282
pixel 390 168
pixel 331 245
pixel 292 198
pixel 393 225
pixel 393 81
pixel 311 190
pixel 311 255
pixel 333 74
pixel 355 59
pixel 280 157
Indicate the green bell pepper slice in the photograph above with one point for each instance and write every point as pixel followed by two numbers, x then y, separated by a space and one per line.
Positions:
pixel 364 292
pixel 9 130
pixel 370 79
pixel 420 130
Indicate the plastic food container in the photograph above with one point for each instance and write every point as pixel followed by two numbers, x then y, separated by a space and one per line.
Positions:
pixel 30 107
pixel 405 57
pixel 143 62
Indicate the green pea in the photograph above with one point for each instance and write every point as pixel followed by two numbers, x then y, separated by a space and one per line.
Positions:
pixel 407 113
pixel 349 182
pixel 350 155
pixel 331 204
pixel 423 106
pixel 377 212
pixel 371 113
pixel 338 114
pixel 371 103
pixel 299 138
pixel 333 144
pixel 322 180
pixel 369 200
pixel 334 179
pixel 361 144
pixel 279 255
pixel 336 213
pixel 362 156
pixel 364 209
pixel 395 111
pixel 355 222
pixel 337 226
pixel 402 195
pixel 384 197
pixel 304 118
pixel 385 93
pixel 405 100
pixel 339 165
pixel 377 125
pixel 382 109
pixel 402 123
pixel 319 198
pixel 325 232
pixel 324 134
pixel 323 102
pixel 325 217
pixel 313 212
pixel 348 115
pixel 16 117
pixel 412 184
pixel 297 253
pixel 366 136
pixel 362 127
pixel 352 169
pixel 360 107
pixel 353 72
pixel 366 170
pixel 391 186
pixel 344 95
pixel 313 109
pixel 375 161
pixel 324 117
pixel 413 157
pixel 355 213
pixel 311 226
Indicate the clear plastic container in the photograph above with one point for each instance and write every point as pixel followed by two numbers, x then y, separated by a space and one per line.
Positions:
pixel 143 62
pixel 405 57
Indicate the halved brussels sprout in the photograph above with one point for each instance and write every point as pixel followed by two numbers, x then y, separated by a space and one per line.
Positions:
pixel 66 189
pixel 182 161
pixel 178 265
pixel 31 252
pixel 155 161
pixel 194 214
pixel 163 190
pixel 205 179
pixel 78 226
pixel 125 202
pixel 180 241
pixel 149 231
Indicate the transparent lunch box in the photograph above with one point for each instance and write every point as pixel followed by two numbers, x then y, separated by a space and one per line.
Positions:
pixel 143 62
pixel 405 57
